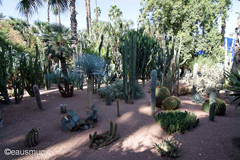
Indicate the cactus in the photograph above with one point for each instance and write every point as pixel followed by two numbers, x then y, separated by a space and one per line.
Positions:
pixel 129 68
pixel 63 108
pixel 220 107
pixel 118 113
pixel 18 90
pixel 161 93
pixel 197 98
pixel 37 95
pixel 108 98
pixel 92 113
pixel 100 140
pixel 212 104
pixel 32 138
pixel 153 88
pixel 169 103
pixel 178 102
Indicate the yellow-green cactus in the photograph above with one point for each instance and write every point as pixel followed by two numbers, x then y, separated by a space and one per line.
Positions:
pixel 178 101
pixel 169 103
pixel 161 93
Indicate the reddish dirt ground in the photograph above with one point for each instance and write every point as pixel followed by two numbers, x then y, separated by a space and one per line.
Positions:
pixel 138 130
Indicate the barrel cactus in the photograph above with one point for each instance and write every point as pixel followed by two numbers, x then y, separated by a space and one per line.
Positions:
pixel 178 101
pixel 161 93
pixel 170 103
pixel 220 107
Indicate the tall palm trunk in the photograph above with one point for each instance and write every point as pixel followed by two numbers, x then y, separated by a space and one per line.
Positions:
pixel 86 6
pixel 48 14
pixel 59 14
pixel 90 91
pixel 73 24
pixel 65 74
pixel 96 11
pixel 26 14
pixel 223 27
pixel 89 17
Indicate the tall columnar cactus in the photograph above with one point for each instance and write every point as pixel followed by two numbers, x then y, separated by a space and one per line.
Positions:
pixel 129 68
pixel 37 95
pixel 195 70
pixel 212 103
pixel 153 88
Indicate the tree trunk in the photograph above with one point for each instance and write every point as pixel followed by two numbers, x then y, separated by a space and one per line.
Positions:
pixel 90 91
pixel 89 17
pixel 26 14
pixel 59 14
pixel 48 14
pixel 96 11
pixel 73 24
pixel 86 5
pixel 223 27
pixel 65 74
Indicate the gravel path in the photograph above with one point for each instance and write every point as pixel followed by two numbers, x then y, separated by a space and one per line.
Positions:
pixel 138 130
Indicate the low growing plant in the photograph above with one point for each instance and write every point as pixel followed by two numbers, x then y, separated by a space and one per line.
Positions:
pixel 176 121
pixel 169 148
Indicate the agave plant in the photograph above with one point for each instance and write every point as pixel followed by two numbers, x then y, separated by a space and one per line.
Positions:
pixel 233 87
pixel 92 66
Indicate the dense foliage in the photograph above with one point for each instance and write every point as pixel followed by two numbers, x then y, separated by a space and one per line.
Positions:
pixel 176 121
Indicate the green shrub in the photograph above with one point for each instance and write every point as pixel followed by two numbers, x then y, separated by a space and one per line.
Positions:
pixel 169 103
pixel 169 148
pixel 176 121
pixel 116 91
pixel 220 107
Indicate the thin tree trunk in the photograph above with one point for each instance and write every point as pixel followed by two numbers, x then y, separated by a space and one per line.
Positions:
pixel 89 17
pixel 223 27
pixel 86 6
pixel 27 20
pixel 48 14
pixel 56 18
pixel 96 11
pixel 65 74
pixel 73 24
pixel 59 14
pixel 90 91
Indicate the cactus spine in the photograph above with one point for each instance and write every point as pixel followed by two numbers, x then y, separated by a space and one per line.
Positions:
pixel 212 104
pixel 153 88
pixel 37 95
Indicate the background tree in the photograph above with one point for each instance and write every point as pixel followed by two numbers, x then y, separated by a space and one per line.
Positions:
pixel 28 7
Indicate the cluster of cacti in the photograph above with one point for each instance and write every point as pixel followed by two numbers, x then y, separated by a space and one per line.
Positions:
pixel 92 114
pixel 30 71
pixel 32 138
pixel 169 148
pixel 212 104
pixel 184 91
pixel 64 93
pixel 168 66
pixel 72 122
pixel 153 88
pixel 63 108
pixel 18 90
pixel 176 121
pixel 161 93
pixel 37 95
pixel 220 107
pixel 129 52
pixel 100 140
pixel 197 98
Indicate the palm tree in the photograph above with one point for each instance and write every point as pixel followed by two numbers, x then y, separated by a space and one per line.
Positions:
pixel 88 16
pixel 57 47
pixel 96 10
pixel 92 66
pixel 62 6
pixel 0 2
pixel 2 16
pixel 73 24
pixel 55 12
pixel 28 7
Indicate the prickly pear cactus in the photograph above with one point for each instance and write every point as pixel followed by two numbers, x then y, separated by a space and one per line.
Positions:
pixel 101 140
pixel 169 103
pixel 161 93
pixel 37 95
pixel 32 138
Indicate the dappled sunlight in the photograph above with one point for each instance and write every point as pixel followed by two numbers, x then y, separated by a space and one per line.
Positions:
pixel 15 140
pixel 145 109
pixel 125 117
pixel 141 139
